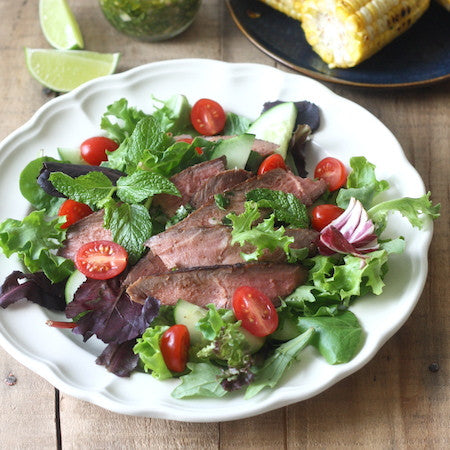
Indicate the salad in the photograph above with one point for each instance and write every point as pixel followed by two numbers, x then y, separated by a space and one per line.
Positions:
pixel 110 209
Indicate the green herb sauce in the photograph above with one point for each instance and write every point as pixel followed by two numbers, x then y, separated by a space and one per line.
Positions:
pixel 150 20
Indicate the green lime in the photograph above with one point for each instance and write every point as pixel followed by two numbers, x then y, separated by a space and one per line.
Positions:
pixel 59 25
pixel 64 70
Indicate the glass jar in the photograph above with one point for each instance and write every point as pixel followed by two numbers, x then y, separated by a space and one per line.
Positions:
pixel 150 20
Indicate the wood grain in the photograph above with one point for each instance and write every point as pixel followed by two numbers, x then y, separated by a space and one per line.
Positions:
pixel 393 402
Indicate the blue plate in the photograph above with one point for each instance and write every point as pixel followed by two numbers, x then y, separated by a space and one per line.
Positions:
pixel 418 57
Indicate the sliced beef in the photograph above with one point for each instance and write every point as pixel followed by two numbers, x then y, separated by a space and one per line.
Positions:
pixel 264 148
pixel 205 246
pixel 149 264
pixel 210 215
pixel 221 182
pixel 189 181
pixel 88 229
pixel 217 284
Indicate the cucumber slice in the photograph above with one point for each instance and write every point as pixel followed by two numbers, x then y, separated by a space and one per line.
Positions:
pixel 71 155
pixel 236 149
pixel 254 342
pixel 276 125
pixel 73 283
pixel 188 314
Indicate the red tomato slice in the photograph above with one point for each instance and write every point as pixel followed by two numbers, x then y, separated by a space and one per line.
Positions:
pixel 93 150
pixel 74 211
pixel 101 260
pixel 332 171
pixel 174 346
pixel 323 215
pixel 255 310
pixel 208 117
pixel 274 161
pixel 189 141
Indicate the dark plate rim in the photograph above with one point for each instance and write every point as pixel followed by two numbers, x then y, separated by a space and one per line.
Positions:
pixel 320 76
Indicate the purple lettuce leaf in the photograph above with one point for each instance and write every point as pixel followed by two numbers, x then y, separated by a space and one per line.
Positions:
pixel 119 359
pixel 34 287
pixel 108 312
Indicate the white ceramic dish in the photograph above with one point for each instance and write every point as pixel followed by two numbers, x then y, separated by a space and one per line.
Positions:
pixel 347 130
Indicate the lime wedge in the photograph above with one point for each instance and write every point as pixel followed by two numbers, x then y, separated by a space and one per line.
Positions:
pixel 64 70
pixel 59 25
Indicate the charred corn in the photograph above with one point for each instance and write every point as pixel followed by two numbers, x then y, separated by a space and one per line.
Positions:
pixel 346 32
pixel 289 7
pixel 445 4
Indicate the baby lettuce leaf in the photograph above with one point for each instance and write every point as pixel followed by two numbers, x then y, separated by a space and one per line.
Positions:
pixel 126 117
pixel 236 125
pixel 108 311
pixel 119 359
pixel 286 207
pixel 338 338
pixel 270 374
pixel 362 184
pixel 149 351
pixel 34 240
pixel 34 287
pixel 202 381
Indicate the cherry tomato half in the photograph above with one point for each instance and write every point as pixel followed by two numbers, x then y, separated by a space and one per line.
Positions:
pixel 174 346
pixel 332 171
pixel 208 117
pixel 93 150
pixel 74 211
pixel 323 215
pixel 190 141
pixel 255 310
pixel 274 161
pixel 101 260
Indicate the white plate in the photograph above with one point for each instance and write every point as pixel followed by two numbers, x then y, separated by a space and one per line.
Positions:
pixel 347 130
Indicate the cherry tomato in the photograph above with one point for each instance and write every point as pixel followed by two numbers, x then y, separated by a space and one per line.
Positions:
pixel 255 310
pixel 208 117
pixel 332 171
pixel 101 260
pixel 74 211
pixel 93 150
pixel 274 161
pixel 174 346
pixel 189 141
pixel 323 215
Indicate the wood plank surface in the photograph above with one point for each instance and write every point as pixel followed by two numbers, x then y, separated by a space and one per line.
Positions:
pixel 395 401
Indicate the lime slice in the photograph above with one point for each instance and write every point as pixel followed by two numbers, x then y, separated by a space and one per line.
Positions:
pixel 64 70
pixel 59 25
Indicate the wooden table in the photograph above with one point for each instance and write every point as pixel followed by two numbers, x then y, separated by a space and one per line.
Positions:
pixel 396 401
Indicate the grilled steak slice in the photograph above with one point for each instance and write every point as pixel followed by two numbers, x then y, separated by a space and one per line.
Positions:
pixel 215 185
pixel 149 264
pixel 264 148
pixel 217 284
pixel 210 215
pixel 189 181
pixel 205 246
pixel 88 229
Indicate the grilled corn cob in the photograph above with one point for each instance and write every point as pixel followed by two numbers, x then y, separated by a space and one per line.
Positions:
pixel 289 7
pixel 346 32
pixel 445 4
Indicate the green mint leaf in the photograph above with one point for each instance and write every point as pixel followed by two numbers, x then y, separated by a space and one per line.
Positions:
pixel 149 351
pixel 276 365
pixel 30 189
pixel 130 226
pixel 34 240
pixel 126 119
pixel 286 207
pixel 202 381
pixel 141 185
pixel 416 210
pixel 361 184
pixel 338 338
pixel 94 188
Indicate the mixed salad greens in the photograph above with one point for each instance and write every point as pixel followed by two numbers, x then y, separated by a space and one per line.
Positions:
pixel 220 354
